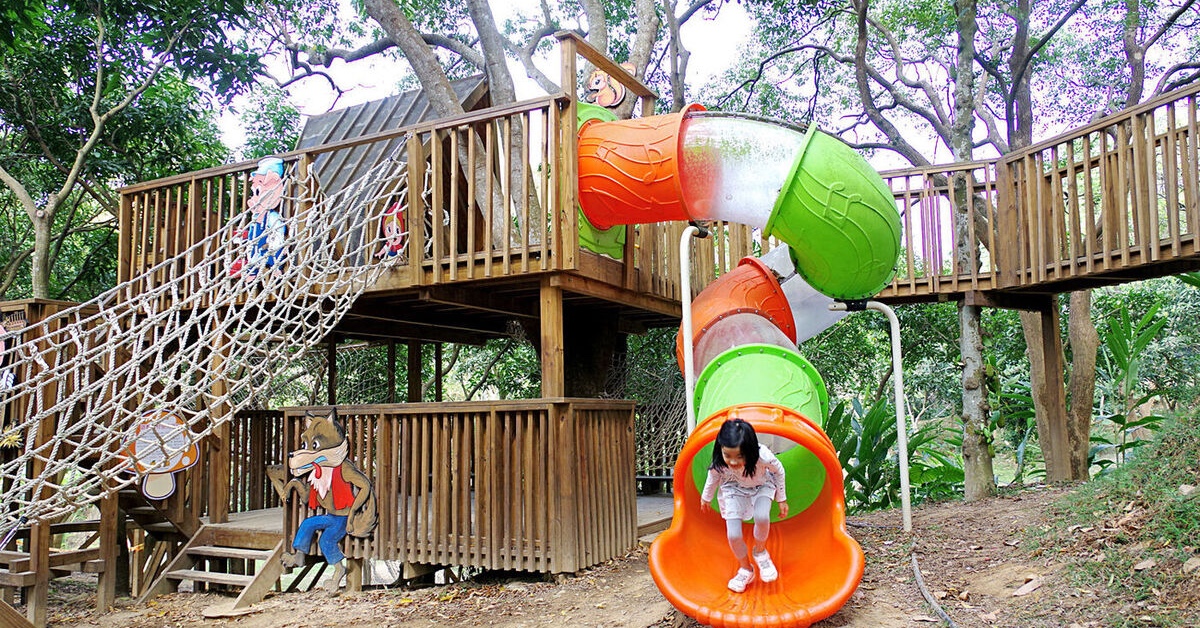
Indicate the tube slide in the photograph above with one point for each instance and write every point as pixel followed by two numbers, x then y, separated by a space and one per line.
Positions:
pixel 842 231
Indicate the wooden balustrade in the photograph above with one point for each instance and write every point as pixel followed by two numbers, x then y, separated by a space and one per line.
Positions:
pixel 1118 193
pixel 542 485
pixel 940 208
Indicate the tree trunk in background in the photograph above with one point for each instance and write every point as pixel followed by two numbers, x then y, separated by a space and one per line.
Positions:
pixel 40 280
pixel 979 478
pixel 1081 333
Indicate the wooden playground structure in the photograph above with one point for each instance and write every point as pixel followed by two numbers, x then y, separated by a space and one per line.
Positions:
pixel 548 485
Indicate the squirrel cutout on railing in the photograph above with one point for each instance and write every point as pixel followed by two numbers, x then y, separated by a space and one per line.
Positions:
pixel 604 91
pixel 335 485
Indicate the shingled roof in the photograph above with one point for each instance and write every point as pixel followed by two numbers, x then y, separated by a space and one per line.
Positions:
pixel 334 170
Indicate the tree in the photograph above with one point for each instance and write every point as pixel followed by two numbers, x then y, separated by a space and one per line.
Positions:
pixel 65 93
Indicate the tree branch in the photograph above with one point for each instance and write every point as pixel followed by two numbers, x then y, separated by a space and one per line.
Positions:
pixel 1170 21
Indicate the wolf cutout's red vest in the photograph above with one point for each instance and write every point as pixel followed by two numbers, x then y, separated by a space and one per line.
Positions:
pixel 343 496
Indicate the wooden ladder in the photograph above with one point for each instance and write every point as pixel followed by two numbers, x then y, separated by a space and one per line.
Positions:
pixel 205 558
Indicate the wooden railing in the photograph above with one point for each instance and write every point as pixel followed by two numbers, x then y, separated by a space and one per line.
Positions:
pixel 543 485
pixel 941 207
pixel 1080 209
pixel 1118 193
pixel 255 443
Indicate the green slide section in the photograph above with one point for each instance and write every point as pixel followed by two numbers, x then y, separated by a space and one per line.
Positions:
pixel 805 475
pixel 762 373
pixel 610 242
pixel 839 220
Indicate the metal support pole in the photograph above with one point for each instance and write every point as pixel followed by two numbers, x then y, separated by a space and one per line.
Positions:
pixel 898 386
pixel 685 282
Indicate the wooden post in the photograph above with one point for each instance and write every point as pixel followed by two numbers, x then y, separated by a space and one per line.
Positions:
pixel 39 533
pixel 218 449
pixel 565 517
pixel 416 208
pixel 553 367
pixel 1006 254
pixel 106 586
pixel 414 372
pixel 1052 428
pixel 39 563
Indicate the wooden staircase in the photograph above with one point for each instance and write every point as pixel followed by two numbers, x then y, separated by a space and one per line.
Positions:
pixel 214 556
pixel 155 517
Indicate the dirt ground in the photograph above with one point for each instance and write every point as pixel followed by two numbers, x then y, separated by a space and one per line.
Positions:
pixel 972 557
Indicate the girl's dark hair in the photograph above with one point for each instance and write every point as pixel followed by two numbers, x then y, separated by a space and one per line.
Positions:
pixel 740 434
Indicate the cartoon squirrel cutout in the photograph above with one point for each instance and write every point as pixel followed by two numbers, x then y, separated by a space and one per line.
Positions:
pixel 603 91
pixel 333 484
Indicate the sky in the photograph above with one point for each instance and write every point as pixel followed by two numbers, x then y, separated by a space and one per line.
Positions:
pixel 713 46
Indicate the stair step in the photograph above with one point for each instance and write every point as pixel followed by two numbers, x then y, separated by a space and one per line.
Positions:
pixel 214 577
pixel 141 511
pixel 165 527
pixel 217 551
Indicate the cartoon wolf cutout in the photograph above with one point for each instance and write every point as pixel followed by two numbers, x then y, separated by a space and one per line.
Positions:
pixel 335 485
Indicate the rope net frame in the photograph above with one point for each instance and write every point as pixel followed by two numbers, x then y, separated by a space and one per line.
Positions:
pixel 94 370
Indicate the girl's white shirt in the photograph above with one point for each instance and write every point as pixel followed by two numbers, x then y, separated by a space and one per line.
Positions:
pixel 767 463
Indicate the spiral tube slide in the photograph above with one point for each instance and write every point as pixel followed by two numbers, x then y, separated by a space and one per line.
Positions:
pixel 843 234
pixel 749 368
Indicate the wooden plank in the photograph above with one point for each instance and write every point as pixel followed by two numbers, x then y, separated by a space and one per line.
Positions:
pixel 1127 185
pixel 1090 215
pixel 438 208
pixel 1171 180
pixel 552 343
pixel 506 202
pixel 11 618
pixel 416 209
pixel 572 44
pixel 1148 215
pixel 527 226
pixel 455 259
pixel 1192 168
pixel 489 211
pixel 472 211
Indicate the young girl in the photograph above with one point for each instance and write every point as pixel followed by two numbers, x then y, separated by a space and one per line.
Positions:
pixel 749 476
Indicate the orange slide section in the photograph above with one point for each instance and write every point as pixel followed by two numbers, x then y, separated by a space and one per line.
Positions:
pixel 819 564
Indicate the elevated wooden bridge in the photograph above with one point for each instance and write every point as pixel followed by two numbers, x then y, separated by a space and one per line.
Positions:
pixel 1116 201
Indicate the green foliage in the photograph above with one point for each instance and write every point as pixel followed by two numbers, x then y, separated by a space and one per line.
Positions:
pixel 866 441
pixel 1125 342
pixel 271 123
pixel 1140 511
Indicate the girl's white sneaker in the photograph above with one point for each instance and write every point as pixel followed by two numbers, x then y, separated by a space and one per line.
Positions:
pixel 766 568
pixel 742 578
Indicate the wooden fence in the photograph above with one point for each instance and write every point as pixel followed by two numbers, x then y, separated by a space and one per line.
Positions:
pixel 541 485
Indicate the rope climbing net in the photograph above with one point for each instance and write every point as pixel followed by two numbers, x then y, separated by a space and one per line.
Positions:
pixel 194 336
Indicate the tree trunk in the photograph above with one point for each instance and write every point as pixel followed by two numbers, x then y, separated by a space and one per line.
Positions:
pixel 979 479
pixel 41 254
pixel 442 99
pixel 1081 333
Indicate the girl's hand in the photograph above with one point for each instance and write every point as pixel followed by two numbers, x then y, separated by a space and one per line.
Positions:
pixel 783 509
pixel 705 506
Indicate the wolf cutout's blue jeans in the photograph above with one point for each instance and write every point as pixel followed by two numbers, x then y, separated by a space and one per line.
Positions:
pixel 332 529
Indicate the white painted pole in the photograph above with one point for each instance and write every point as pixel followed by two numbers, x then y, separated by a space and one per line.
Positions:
pixel 901 422
pixel 685 283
